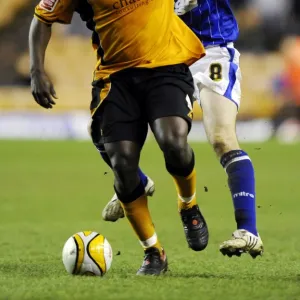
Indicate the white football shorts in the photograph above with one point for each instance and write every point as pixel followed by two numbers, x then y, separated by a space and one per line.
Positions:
pixel 219 71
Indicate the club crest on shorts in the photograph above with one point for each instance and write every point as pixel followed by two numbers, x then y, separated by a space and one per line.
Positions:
pixel 48 5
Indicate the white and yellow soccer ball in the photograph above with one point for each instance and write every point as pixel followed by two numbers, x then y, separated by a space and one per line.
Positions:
pixel 87 253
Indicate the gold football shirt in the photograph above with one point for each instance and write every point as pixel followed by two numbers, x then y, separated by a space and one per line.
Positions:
pixel 132 33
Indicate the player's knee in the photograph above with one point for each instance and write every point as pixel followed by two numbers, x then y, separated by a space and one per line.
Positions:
pixel 174 146
pixel 124 158
pixel 171 135
pixel 123 163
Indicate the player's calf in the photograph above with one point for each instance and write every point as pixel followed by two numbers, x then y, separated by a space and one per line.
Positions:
pixel 220 128
pixel 113 209
pixel 136 210
pixel 135 206
pixel 241 181
pixel 130 190
pixel 171 134
pixel 219 115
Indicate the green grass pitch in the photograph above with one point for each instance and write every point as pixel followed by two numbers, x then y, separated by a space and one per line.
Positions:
pixel 50 190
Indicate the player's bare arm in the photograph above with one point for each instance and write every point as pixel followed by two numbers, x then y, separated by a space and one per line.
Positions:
pixel 41 86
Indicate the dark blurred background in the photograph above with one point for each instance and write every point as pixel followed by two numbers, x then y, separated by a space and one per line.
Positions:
pixel 269 43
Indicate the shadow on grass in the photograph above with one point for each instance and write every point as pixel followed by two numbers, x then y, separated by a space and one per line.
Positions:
pixel 43 270
pixel 249 277
pixel 48 270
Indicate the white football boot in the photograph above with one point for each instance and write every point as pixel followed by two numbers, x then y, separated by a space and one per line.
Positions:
pixel 113 209
pixel 242 241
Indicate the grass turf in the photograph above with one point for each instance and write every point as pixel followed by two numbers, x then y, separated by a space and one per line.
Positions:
pixel 50 190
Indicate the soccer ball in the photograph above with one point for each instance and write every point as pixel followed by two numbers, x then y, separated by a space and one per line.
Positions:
pixel 87 253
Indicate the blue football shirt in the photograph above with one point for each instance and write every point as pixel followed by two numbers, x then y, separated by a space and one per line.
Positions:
pixel 211 20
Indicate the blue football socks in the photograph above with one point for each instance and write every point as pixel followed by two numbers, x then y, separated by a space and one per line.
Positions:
pixel 143 177
pixel 241 181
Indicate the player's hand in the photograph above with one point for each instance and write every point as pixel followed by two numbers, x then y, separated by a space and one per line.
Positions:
pixel 42 89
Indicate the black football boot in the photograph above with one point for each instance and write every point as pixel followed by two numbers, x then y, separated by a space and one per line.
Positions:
pixel 195 228
pixel 154 263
